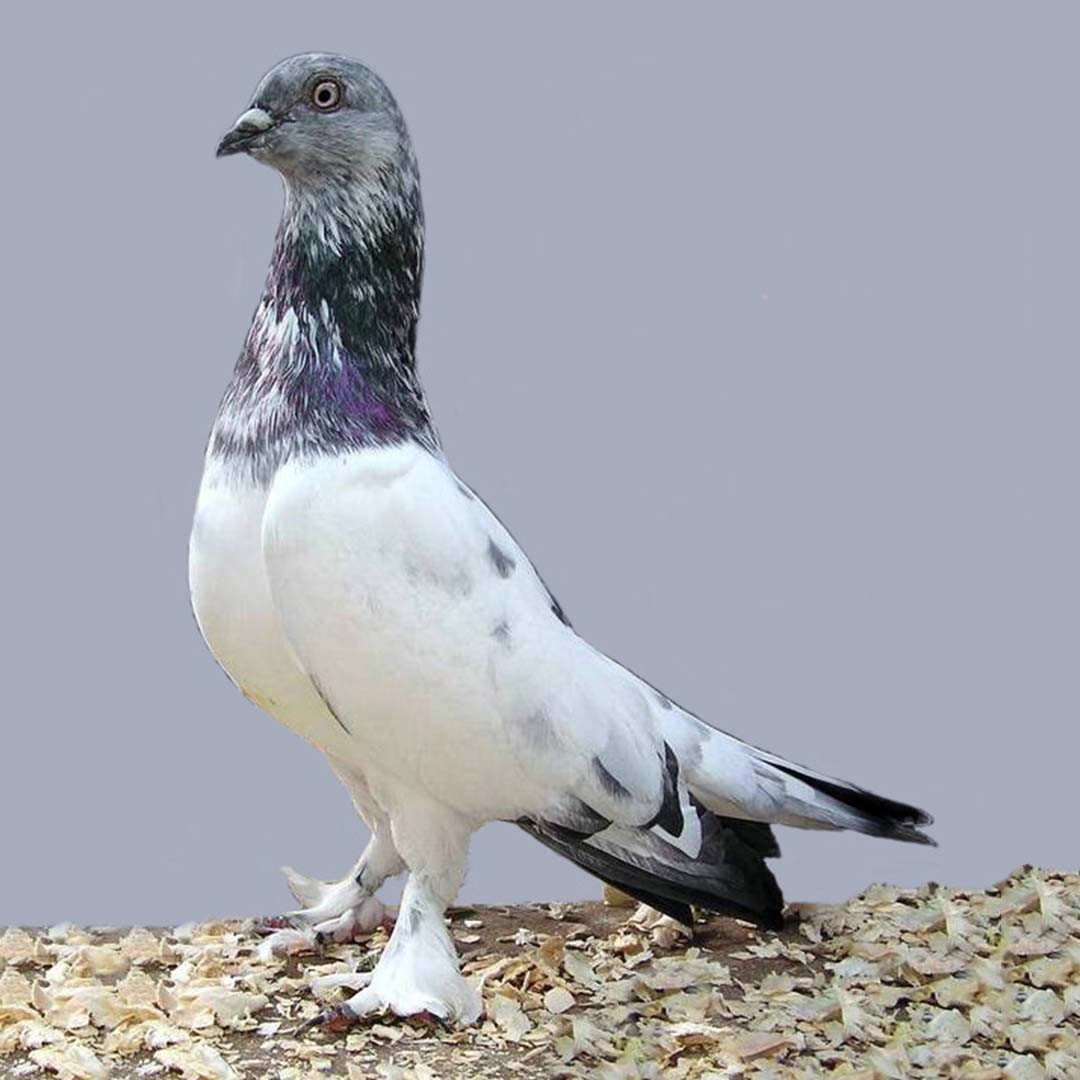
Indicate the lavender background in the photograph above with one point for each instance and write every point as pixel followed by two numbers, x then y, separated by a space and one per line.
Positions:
pixel 756 323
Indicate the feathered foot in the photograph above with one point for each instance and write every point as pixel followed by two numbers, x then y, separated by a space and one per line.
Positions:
pixel 332 912
pixel 344 1016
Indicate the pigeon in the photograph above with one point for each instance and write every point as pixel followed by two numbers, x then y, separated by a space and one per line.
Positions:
pixel 353 587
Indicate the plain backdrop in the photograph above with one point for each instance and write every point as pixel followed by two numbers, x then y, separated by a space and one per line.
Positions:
pixel 757 324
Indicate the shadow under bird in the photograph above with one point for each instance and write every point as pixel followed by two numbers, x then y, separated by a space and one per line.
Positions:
pixel 358 591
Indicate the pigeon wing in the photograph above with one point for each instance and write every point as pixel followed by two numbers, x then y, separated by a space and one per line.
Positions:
pixel 444 656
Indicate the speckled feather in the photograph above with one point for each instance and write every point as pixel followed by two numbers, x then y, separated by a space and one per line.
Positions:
pixel 329 363
pixel 362 594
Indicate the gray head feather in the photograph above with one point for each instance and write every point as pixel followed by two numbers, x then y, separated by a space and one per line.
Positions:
pixel 328 364
pixel 328 119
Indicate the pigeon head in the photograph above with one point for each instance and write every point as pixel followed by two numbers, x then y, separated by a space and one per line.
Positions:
pixel 329 360
pixel 321 120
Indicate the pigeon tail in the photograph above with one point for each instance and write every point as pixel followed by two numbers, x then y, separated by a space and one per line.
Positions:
pixel 872 814
pixel 731 777
pixel 729 875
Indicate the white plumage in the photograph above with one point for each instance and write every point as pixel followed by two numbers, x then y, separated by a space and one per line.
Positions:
pixel 374 605
pixel 354 588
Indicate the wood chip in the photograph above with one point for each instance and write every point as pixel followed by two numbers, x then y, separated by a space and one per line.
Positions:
pixel 558 999
pixel 897 984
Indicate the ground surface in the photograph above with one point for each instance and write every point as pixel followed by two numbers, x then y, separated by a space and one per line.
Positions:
pixel 895 984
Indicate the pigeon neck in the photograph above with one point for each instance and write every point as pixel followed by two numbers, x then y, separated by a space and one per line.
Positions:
pixel 352 259
pixel 329 362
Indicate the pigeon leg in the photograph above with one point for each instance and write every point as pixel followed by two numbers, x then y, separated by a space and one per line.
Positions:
pixel 337 911
pixel 418 972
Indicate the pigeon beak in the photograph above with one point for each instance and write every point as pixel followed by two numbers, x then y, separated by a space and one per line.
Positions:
pixel 248 127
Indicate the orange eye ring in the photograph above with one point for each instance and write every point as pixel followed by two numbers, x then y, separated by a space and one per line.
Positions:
pixel 326 95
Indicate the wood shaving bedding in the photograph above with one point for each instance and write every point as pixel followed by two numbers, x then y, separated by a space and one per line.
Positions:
pixel 897 983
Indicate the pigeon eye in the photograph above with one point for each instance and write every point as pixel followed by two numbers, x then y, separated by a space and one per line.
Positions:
pixel 326 95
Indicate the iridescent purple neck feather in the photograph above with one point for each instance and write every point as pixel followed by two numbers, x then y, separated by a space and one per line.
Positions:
pixel 329 363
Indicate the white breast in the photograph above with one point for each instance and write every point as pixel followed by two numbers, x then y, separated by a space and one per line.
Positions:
pixel 372 604
pixel 433 638
pixel 231 600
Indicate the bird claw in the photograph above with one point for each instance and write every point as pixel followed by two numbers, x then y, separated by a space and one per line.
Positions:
pixel 343 1017
pixel 285 942
pixel 272 923
pixel 426 1016
pixel 342 914
pixel 339 1018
